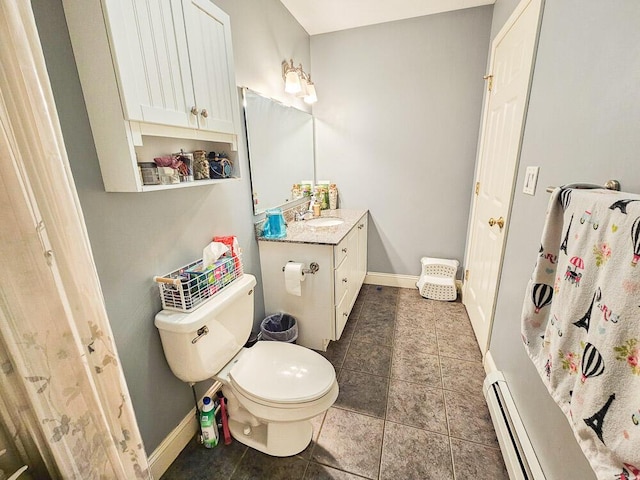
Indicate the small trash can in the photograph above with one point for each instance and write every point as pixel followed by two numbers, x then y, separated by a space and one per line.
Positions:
pixel 253 339
pixel 279 327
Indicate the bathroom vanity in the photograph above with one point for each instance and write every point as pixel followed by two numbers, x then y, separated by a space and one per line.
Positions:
pixel 326 296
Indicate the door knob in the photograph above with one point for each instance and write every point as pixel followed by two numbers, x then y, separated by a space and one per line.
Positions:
pixel 499 222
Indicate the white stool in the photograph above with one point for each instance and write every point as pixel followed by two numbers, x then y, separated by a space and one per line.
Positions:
pixel 438 279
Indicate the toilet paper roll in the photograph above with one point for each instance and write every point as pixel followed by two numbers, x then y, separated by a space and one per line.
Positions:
pixel 293 278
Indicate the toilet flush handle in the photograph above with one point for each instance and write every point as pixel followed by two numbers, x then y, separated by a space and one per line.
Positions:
pixel 201 333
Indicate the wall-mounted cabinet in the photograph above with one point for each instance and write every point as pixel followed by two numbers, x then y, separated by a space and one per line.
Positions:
pixel 153 69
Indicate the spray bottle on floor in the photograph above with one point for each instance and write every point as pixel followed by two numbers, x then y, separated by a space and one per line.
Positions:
pixel 208 424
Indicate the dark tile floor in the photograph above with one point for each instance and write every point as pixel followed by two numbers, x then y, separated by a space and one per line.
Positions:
pixel 410 404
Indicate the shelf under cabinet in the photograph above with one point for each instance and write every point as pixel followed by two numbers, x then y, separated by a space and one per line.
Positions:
pixel 195 183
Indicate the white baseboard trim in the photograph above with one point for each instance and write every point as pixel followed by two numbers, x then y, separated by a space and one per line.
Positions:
pixel 169 449
pixel 391 280
pixel 395 280
pixel 489 363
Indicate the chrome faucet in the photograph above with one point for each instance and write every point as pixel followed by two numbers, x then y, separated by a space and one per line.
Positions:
pixel 302 215
pixel 311 203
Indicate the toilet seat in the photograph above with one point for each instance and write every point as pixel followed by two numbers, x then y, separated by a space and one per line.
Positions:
pixel 282 374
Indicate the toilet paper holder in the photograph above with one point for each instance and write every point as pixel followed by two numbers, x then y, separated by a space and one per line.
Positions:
pixel 313 268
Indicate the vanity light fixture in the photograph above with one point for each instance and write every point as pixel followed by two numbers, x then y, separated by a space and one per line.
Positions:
pixel 298 82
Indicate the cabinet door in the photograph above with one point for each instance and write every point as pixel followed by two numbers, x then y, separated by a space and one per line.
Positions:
pixel 350 262
pixel 342 280
pixel 209 40
pixel 149 48
pixel 342 315
pixel 361 263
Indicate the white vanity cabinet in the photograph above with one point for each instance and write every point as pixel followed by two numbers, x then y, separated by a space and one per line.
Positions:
pixel 327 297
pixel 153 69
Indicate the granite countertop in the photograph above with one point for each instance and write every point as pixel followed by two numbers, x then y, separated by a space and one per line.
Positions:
pixel 300 232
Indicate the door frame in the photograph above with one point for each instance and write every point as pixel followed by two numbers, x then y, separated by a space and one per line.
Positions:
pixel 513 18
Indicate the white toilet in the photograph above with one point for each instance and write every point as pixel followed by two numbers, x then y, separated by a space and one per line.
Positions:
pixel 273 389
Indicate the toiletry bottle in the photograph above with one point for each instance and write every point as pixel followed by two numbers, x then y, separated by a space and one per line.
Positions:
pixel 316 209
pixel 312 202
pixel 333 196
pixel 208 424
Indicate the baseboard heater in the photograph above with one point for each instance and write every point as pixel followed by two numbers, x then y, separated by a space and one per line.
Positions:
pixel 517 451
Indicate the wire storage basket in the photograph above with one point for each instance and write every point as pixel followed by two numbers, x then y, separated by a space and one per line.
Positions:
pixel 189 286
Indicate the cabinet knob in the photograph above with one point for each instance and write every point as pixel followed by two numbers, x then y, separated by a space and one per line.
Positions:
pixel 344 250
pixel 204 113
pixel 345 314
pixel 194 110
pixel 344 280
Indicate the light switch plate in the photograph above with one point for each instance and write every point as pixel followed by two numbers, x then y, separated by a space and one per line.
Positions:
pixel 530 180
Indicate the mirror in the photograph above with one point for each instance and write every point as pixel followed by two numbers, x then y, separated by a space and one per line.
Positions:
pixel 280 144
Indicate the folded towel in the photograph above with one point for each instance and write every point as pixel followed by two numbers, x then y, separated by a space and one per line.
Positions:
pixel 581 322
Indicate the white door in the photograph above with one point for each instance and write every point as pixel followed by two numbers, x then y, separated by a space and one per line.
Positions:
pixel 511 63
pixel 211 55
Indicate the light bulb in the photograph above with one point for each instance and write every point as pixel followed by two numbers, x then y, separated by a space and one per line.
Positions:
pixel 311 96
pixel 292 82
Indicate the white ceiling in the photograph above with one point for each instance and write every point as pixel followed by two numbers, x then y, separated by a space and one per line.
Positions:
pixel 322 16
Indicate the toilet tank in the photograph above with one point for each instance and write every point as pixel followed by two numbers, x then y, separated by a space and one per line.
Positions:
pixel 198 344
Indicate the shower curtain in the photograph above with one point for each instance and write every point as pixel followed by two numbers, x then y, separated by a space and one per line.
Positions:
pixel 65 409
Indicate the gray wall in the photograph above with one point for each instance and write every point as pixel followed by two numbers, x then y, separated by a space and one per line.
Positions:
pixel 136 236
pixel 502 9
pixel 582 126
pixel 397 124
pixel 264 34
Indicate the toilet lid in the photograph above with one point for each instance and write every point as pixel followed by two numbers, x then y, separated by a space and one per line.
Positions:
pixel 283 373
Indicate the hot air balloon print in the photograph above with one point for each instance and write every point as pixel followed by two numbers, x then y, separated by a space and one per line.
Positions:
pixel 573 276
pixel 564 198
pixel 592 363
pixel 541 295
pixel 635 239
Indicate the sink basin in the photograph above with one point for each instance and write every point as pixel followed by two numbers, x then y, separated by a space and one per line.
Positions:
pixel 324 222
